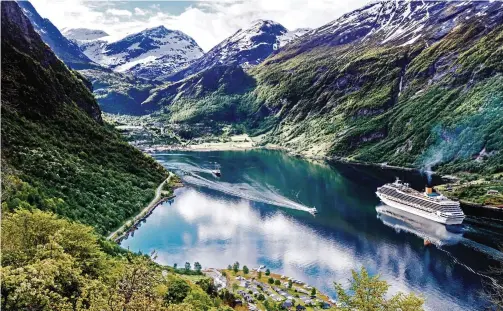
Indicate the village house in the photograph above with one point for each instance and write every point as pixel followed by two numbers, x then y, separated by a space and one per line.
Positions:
pixel 287 304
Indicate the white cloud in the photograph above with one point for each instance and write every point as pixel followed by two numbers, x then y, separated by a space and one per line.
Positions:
pixel 140 12
pixel 117 12
pixel 207 22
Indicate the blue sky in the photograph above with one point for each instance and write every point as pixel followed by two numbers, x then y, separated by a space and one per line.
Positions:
pixel 208 22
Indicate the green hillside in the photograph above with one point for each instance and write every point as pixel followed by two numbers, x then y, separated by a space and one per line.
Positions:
pixel 432 104
pixel 57 155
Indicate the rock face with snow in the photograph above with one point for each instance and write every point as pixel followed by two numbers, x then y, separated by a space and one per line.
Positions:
pixel 292 36
pixel 247 47
pixel 400 22
pixel 66 50
pixel 151 54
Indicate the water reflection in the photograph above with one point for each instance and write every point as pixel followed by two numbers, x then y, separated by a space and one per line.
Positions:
pixel 215 227
pixel 426 229
pixel 217 232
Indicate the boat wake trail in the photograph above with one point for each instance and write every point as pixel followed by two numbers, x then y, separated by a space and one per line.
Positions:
pixel 250 191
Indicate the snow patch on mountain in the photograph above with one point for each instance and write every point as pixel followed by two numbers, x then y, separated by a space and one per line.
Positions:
pixel 246 47
pixel 151 54
pixel 291 36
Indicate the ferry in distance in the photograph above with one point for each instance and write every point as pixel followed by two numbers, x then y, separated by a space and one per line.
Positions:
pixel 429 204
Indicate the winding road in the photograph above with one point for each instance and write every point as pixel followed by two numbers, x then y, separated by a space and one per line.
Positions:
pixel 152 203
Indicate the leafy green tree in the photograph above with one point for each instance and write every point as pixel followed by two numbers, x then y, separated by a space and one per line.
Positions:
pixel 270 281
pixel 208 286
pixel 259 275
pixel 290 283
pixel 368 293
pixel 199 299
pixel 229 267
pixel 197 267
pixel 261 297
pixel 178 289
pixel 245 270
pixel 235 267
pixel 313 292
pixel 277 282
pixel 226 296
pixel 235 287
pixel 267 272
pixel 187 266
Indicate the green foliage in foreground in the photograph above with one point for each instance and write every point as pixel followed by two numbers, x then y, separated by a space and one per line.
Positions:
pixel 52 264
pixel 368 293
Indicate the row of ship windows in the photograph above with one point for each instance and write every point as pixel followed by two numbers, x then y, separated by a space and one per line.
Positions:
pixel 451 216
pixel 408 202
pixel 422 202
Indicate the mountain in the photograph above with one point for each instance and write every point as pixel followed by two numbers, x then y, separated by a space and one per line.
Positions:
pixel 65 49
pixel 247 47
pixel 119 92
pixel 57 155
pixel 199 95
pixel 116 92
pixel 407 83
pixel 152 54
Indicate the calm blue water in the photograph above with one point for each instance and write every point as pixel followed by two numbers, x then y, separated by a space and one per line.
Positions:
pixel 256 214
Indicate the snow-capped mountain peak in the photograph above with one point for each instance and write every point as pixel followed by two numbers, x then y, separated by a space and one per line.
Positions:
pixel 259 32
pixel 151 53
pixel 246 47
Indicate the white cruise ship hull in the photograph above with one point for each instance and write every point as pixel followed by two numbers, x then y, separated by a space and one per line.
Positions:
pixel 418 212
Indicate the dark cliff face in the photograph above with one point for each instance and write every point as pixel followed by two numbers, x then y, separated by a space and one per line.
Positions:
pixel 34 81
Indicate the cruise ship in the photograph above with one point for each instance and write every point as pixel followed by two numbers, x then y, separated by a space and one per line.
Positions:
pixel 429 204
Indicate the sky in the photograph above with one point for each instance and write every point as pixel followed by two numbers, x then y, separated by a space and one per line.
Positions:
pixel 208 22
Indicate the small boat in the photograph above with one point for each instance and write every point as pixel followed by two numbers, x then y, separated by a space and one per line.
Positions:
pixel 216 171
pixel 313 211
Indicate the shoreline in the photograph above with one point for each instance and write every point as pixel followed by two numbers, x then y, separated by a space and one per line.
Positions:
pixel 142 215
pixel 249 145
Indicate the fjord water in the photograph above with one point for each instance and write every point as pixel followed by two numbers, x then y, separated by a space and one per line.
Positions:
pixel 256 213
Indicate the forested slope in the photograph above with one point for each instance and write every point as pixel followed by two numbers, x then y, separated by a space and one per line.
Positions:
pixel 57 154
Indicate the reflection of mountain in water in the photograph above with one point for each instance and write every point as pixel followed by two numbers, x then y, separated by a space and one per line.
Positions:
pixel 426 229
